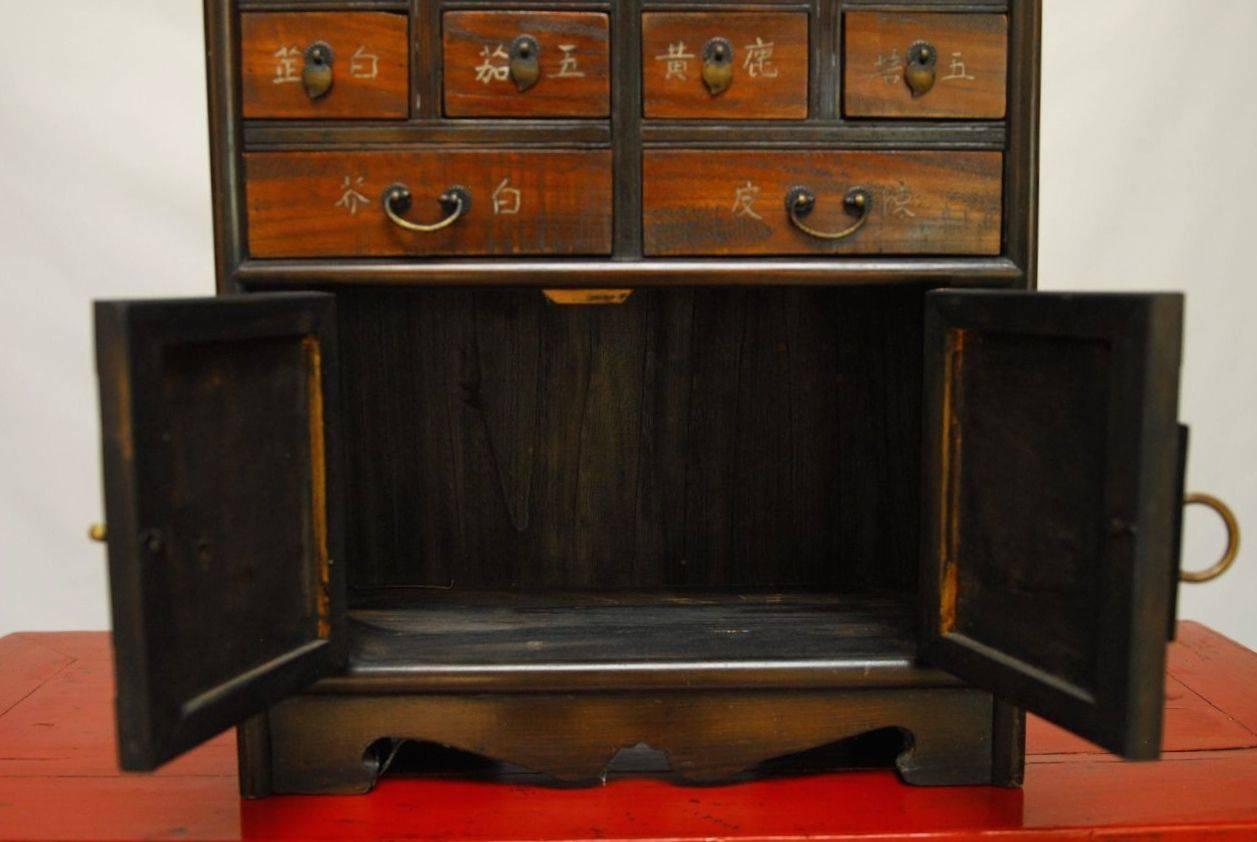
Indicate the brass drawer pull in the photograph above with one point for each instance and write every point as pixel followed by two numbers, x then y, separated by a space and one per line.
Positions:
pixel 1232 539
pixel 920 70
pixel 456 201
pixel 525 62
pixel 316 76
pixel 800 201
pixel 718 65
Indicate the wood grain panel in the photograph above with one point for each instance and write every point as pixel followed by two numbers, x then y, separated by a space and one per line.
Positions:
pixel 770 65
pixel 705 202
pixel 688 438
pixel 329 204
pixel 370 66
pixel 971 73
pixel 575 64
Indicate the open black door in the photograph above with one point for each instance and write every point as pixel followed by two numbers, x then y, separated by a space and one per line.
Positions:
pixel 224 518
pixel 1051 471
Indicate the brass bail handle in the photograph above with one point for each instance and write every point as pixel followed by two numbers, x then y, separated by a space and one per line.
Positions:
pixel 800 202
pixel 455 201
pixel 1232 550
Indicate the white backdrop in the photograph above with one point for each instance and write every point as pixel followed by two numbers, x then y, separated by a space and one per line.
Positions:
pixel 1148 182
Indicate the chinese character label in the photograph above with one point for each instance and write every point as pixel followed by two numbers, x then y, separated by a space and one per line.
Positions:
pixel 288 61
pixel 506 199
pixel 758 61
pixel 958 70
pixel 889 67
pixel 351 197
pixel 677 61
pixel 568 68
pixel 899 203
pixel 495 66
pixel 364 65
pixel 744 201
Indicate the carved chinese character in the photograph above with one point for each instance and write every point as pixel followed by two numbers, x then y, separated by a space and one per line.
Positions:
pixel 889 67
pixel 758 61
pixel 899 203
pixel 744 201
pixel 567 64
pixel 288 61
pixel 506 199
pixel 678 61
pixel 958 70
pixel 351 198
pixel 487 71
pixel 364 65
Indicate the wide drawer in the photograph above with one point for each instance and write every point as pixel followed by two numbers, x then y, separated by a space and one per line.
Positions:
pixel 938 65
pixel 526 64
pixel 311 65
pixel 720 202
pixel 331 204
pixel 725 65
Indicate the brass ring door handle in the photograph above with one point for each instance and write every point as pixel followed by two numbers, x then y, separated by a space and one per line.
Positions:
pixel 1232 539
pixel 800 201
pixel 456 201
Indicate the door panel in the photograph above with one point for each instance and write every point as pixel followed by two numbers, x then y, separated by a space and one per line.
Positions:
pixel 219 454
pixel 1051 491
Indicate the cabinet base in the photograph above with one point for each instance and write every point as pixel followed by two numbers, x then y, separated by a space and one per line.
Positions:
pixel 323 743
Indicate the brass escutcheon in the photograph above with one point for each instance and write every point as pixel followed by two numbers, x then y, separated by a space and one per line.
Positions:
pixel 316 76
pixel 920 70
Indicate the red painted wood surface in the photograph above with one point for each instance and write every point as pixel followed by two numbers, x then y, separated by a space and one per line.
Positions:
pixel 58 779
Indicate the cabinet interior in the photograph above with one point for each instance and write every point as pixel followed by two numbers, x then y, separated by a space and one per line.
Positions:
pixel 697 473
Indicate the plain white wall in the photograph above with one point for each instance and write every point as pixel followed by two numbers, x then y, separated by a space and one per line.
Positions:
pixel 1148 182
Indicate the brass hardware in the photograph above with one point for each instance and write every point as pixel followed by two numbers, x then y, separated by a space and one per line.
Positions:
pixel 455 201
pixel 587 296
pixel 718 66
pixel 98 532
pixel 525 62
pixel 920 70
pixel 1232 539
pixel 316 76
pixel 800 201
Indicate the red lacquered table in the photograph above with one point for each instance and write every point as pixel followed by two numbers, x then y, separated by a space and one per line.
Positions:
pixel 58 779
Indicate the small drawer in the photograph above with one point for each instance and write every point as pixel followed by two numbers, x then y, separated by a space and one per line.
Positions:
pixel 527 64
pixel 310 65
pixel 935 65
pixel 478 202
pixel 722 202
pixel 725 65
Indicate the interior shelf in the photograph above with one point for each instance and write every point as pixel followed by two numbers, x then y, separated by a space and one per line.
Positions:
pixel 426 640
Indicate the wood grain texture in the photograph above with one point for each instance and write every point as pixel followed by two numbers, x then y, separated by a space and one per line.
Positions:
pixel 298 206
pixel 971 73
pixel 321 743
pixel 571 43
pixel 733 202
pixel 770 65
pixel 370 66
pixel 688 438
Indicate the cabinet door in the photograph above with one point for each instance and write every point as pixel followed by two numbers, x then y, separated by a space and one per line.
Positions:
pixel 1051 454
pixel 219 447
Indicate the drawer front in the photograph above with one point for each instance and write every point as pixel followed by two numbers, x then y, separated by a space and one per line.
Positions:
pixel 966 77
pixel 330 204
pixel 721 202
pixel 369 73
pixel 761 74
pixel 559 68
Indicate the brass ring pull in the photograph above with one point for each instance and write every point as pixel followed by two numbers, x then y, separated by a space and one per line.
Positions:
pixel 456 201
pixel 1232 539
pixel 800 201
